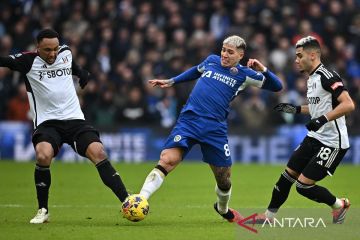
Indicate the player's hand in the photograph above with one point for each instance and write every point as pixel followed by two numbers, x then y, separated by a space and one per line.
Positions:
pixel 256 65
pixel 287 108
pixel 316 123
pixel 163 83
pixel 84 78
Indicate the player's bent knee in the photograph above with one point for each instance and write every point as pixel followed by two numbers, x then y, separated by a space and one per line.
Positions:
pixel 169 159
pixel 95 152
pixel 44 154
pixel 43 158
pixel 292 173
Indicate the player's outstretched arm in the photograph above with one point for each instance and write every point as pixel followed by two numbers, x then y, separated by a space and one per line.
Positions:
pixel 163 83
pixel 188 75
pixel 11 62
pixel 5 62
pixel 272 82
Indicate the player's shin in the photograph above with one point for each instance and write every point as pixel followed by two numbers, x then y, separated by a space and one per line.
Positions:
pixel 315 193
pixel 280 193
pixel 112 179
pixel 42 178
pixel 153 181
pixel 223 198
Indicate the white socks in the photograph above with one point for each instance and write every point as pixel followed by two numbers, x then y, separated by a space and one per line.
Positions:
pixel 152 183
pixel 223 198
pixel 269 214
pixel 338 204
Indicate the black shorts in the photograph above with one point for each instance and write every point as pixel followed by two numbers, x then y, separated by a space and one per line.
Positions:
pixel 315 160
pixel 77 133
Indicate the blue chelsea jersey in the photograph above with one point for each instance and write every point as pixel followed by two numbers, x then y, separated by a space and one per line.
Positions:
pixel 218 86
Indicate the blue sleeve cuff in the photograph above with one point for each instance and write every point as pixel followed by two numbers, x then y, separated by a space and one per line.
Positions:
pixel 272 82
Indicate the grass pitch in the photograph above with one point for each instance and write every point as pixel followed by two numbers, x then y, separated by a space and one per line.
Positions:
pixel 82 208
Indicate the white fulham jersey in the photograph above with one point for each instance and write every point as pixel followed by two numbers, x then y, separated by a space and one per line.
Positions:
pixel 323 89
pixel 51 89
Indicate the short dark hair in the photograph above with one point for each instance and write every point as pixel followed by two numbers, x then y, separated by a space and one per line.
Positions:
pixel 46 33
pixel 308 42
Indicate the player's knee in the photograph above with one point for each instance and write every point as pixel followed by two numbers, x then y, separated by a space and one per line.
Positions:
pixel 96 152
pixel 169 160
pixel 43 157
pixel 292 173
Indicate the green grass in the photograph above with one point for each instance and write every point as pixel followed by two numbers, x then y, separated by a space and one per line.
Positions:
pixel 82 208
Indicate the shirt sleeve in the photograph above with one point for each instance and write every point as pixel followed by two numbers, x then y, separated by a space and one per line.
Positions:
pixel 20 62
pixel 272 82
pixel 334 84
pixel 254 78
pixel 189 75
pixel 76 69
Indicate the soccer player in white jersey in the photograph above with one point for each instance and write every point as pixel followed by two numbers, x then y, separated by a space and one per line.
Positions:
pixel 57 115
pixel 327 140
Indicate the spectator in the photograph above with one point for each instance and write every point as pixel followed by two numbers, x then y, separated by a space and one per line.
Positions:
pixel 18 106
pixel 116 39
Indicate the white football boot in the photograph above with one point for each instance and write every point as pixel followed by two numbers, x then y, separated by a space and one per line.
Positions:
pixel 42 216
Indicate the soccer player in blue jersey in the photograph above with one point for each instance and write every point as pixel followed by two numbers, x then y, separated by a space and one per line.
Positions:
pixel 203 120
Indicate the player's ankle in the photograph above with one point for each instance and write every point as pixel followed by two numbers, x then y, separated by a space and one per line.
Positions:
pixel 338 204
pixel 269 214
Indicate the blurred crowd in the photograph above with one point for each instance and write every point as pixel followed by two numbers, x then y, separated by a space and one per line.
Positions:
pixel 124 43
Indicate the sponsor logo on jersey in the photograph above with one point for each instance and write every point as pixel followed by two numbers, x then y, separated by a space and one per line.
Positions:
pixel 41 74
pixel 336 85
pixel 58 73
pixel 177 138
pixel 220 77
pixel 54 73
pixel 313 100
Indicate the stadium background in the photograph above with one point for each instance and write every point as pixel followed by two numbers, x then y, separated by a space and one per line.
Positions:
pixel 125 43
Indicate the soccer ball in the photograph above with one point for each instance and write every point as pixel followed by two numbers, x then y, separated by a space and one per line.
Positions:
pixel 135 208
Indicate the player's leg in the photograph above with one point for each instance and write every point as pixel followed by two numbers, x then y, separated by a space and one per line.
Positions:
pixel 223 193
pixel 297 162
pixel 222 187
pixel 177 145
pixel 169 159
pixel 324 163
pixel 281 192
pixel 88 144
pixel 46 142
pixel 216 153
